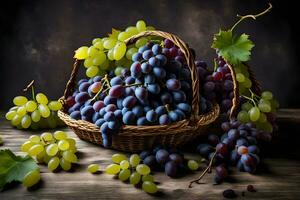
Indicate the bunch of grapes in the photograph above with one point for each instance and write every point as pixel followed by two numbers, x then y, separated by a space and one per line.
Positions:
pixel 55 149
pixel 35 113
pixel 132 171
pixel 153 92
pixel 170 160
pixel 110 53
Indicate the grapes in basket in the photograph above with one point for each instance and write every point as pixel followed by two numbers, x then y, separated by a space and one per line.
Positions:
pixel 154 90
pixel 35 113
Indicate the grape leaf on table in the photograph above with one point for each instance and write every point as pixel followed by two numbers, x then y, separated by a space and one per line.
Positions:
pixel 14 168
pixel 233 48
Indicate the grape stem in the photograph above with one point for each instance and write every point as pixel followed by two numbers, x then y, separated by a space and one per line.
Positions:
pixel 251 99
pixel 30 85
pixel 215 65
pixel 207 170
pixel 105 80
pixel 242 17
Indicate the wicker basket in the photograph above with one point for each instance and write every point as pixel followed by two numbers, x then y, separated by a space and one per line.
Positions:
pixel 137 138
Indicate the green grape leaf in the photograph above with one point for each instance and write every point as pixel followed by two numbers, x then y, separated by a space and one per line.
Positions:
pixel 114 33
pixel 14 168
pixel 233 48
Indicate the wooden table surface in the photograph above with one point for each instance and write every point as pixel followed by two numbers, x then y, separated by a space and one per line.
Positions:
pixel 278 177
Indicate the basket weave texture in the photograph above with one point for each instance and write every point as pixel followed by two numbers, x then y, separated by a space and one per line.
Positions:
pixel 137 138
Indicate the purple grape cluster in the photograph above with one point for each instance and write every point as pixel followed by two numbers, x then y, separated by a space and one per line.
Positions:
pixel 169 160
pixel 215 86
pixel 154 91
pixel 238 146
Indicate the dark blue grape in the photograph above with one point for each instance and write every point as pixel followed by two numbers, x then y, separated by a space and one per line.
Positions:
pixel 84 87
pixel 151 116
pixel 129 102
pixel 99 122
pixel 82 97
pixel 174 116
pixel 142 121
pixel 156 49
pixel 184 107
pixel 153 88
pixel 118 114
pixel 129 118
pixel 162 156
pixel 233 134
pixel 149 79
pixel 160 110
pixel 166 98
pixel 109 100
pixel 179 96
pixel 114 125
pixel 116 81
pixel 95 117
pixel 164 119
pixel 143 48
pixel 171 169
pixel 138 111
pixel 150 161
pixel 147 54
pixel 173 84
pixel 129 80
pixel 137 57
pixel 160 73
pixel 141 93
pixel 110 107
pixel 146 68
pixel 162 60
pixel 109 116
pixel 75 115
pixel 87 111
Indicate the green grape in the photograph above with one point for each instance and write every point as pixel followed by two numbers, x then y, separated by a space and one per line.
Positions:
pixel 34 125
pixel 134 160
pixel 47 158
pixel 26 121
pixel 88 62
pixel 53 163
pixel 95 40
pixel 130 52
pixel 47 136
pixel 240 77
pixel 55 105
pixel 118 157
pixel 247 83
pixel 118 71
pixel 193 165
pixel 246 106
pixel 141 25
pixel 10 114
pixel 99 45
pixel 141 42
pixel 72 144
pixel 36 116
pixel 148 177
pixel 149 187
pixel 31 178
pixel 93 168
pixel 21 111
pixel 124 164
pixel 150 28
pixel 105 65
pixel 143 169
pixel 112 169
pixel 110 54
pixel 119 50
pixel 81 53
pixel 36 149
pixel 123 36
pixel 134 178
pixel 31 106
pixel 243 116
pixel 60 135
pixel 267 95
pixel 99 58
pixel 262 118
pixel 63 145
pixel 70 156
pixel 16 120
pixel 40 157
pixel 20 100
pixel 254 114
pixel 132 30
pixel 92 71
pixel 65 165
pixel 109 43
pixel 15 108
pixel 41 98
pixel 44 110
pixel 264 107
pixel 26 146
pixel 52 149
pixel 35 138
pixel 124 174
pixel 92 51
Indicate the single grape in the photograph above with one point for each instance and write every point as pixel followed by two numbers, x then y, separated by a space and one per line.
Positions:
pixel 134 178
pixel 53 163
pixel 124 164
pixel 112 169
pixel 254 114
pixel 119 50
pixel 134 160
pixel 148 177
pixel 171 169
pixel 55 105
pixel 124 174
pixel 65 165
pixel 143 169
pixel 60 135
pixel 21 111
pixel 193 165
pixel 31 106
pixel 36 116
pixel 41 98
pixel 35 149
pixel 52 149
pixel 267 95
pixel 46 136
pixel 20 100
pixel 69 156
pixel 26 121
pixel 10 115
pixel 81 53
pixel 141 25
pixel 118 158
pixel 44 110
pixel 93 168
pixel 31 178
pixel 27 145
pixel 149 187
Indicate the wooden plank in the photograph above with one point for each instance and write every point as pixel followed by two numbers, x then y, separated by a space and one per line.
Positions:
pixel 278 178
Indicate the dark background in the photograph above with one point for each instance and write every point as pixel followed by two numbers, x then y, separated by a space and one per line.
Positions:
pixel 38 38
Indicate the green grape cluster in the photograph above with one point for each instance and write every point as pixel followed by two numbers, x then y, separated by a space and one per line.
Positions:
pixel 55 149
pixel 36 113
pixel 257 108
pixel 133 171
pixel 111 53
